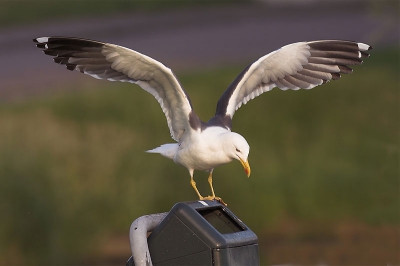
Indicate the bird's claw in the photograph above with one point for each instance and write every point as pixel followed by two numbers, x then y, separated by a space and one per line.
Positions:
pixel 214 198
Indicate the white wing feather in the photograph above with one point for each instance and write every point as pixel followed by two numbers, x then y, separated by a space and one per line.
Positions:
pixel 116 63
pixel 302 65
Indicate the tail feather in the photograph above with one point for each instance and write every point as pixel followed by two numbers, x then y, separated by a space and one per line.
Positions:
pixel 168 150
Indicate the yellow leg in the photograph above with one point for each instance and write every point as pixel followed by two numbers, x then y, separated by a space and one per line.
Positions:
pixel 213 197
pixel 210 182
pixel 195 188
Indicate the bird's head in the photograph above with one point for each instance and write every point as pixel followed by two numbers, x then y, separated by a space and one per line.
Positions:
pixel 239 149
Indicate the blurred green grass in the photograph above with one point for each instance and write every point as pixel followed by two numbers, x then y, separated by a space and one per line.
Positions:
pixel 73 170
pixel 23 12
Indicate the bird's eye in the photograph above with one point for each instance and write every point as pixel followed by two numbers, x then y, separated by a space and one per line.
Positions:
pixel 237 150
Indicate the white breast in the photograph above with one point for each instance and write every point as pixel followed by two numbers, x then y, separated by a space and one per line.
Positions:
pixel 203 150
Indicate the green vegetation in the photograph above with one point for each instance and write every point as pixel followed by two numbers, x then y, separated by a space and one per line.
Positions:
pixel 21 12
pixel 73 170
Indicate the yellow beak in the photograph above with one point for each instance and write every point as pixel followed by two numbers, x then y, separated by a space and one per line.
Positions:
pixel 246 166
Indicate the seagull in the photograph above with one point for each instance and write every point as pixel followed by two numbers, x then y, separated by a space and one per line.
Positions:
pixel 206 145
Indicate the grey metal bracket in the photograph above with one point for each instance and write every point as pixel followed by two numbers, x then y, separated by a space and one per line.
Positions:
pixel 138 237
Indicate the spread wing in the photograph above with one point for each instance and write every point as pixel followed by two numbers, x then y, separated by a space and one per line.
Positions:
pixel 117 63
pixel 302 65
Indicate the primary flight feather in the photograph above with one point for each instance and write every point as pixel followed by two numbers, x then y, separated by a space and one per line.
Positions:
pixel 206 145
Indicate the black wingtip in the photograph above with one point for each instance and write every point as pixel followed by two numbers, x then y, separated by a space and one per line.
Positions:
pixel 70 66
pixel 364 54
pixel 41 45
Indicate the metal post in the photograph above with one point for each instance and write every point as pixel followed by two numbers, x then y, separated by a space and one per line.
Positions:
pixel 138 237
